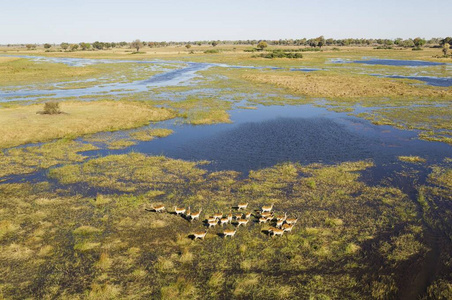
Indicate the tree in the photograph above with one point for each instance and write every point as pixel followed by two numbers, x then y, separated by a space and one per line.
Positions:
pixel 98 45
pixel 214 43
pixel 262 45
pixel 74 47
pixel 320 41
pixel 64 46
pixel 30 46
pixel 47 46
pixel 418 42
pixel 446 47
pixel 447 40
pixel 188 46
pixel 136 44
pixel 85 46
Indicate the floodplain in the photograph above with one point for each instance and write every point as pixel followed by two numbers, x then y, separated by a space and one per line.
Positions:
pixel 360 154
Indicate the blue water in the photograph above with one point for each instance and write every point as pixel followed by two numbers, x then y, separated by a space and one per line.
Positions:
pixel 274 134
pixel 434 81
pixel 396 62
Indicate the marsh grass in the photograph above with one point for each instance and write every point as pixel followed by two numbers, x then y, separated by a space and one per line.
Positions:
pixel 25 160
pixel 150 134
pixel 21 125
pixel 412 159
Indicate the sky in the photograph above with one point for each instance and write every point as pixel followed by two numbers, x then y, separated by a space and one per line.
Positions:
pixel 56 21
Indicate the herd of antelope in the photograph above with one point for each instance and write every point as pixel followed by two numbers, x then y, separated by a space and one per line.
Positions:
pixel 280 223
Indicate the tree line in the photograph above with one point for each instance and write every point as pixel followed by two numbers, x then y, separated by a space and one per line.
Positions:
pixel 312 42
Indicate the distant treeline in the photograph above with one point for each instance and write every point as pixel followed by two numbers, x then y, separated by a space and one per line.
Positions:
pixel 314 42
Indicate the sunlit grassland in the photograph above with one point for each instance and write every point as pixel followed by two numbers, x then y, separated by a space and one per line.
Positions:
pixel 69 246
pixel 340 86
pixel 24 71
pixel 21 124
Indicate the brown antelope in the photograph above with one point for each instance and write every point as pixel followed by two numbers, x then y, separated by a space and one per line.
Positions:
pixel 267 208
pixel 276 231
pixel 229 232
pixel 179 210
pixel 279 223
pixel 238 216
pixel 199 234
pixel 291 221
pixel 159 208
pixel 212 223
pixel 242 221
pixel 195 215
pixel 242 205
pixel 224 221
pixel 218 215
pixel 247 215
pixel 281 217
pixel 263 220
pixel 230 217
pixel 287 227
pixel 188 212
pixel 266 215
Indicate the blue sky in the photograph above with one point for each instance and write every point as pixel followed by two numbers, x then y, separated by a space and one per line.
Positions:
pixel 39 21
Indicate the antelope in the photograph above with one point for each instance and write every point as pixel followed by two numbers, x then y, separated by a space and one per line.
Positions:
pixel 279 223
pixel 224 221
pixel 242 205
pixel 263 220
pixel 218 215
pixel 287 227
pixel 230 218
pixel 188 213
pixel 283 218
pixel 199 234
pixel 211 219
pixel 179 210
pixel 229 232
pixel 159 208
pixel 291 221
pixel 212 223
pixel 247 215
pixel 238 216
pixel 267 208
pixel 276 231
pixel 266 215
pixel 242 221
pixel 195 215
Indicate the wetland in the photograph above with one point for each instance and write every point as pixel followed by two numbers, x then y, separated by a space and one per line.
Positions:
pixel 356 145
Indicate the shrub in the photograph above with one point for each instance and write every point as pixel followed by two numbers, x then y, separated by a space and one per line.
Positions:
pixel 212 51
pixel 51 108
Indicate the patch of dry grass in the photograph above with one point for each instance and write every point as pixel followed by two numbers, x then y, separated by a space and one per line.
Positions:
pixel 348 86
pixel 22 125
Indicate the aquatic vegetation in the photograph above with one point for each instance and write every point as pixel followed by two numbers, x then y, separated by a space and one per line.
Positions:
pixel 435 200
pixel 29 159
pixel 434 121
pixel 21 125
pixel 150 134
pixel 343 224
pixel 412 159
